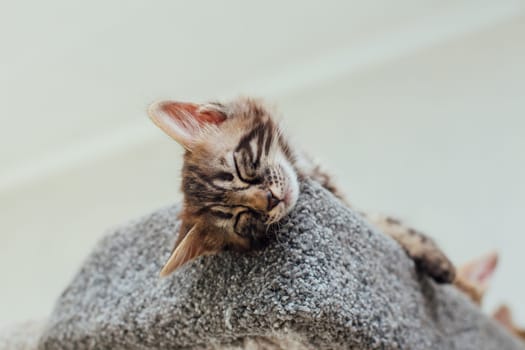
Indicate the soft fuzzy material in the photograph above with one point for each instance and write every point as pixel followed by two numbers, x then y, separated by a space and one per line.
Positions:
pixel 21 336
pixel 327 281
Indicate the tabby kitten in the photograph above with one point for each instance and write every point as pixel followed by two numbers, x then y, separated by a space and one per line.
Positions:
pixel 473 279
pixel 240 176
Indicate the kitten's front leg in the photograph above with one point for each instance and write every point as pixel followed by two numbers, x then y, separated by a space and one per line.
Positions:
pixel 426 254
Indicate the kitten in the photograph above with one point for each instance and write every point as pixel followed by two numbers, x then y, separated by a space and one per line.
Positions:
pixel 473 279
pixel 240 176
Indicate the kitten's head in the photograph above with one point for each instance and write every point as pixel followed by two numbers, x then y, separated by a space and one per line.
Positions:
pixel 238 175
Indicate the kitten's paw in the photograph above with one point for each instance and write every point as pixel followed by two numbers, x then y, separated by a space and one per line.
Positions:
pixel 426 254
pixel 435 264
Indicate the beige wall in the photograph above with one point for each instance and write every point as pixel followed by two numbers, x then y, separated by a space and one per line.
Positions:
pixel 417 108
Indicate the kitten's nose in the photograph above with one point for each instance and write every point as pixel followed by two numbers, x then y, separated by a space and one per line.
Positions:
pixel 272 200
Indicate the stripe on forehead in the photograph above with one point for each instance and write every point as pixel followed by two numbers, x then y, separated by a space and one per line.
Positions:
pixel 256 141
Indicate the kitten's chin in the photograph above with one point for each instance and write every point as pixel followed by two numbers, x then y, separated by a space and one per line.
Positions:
pixel 291 196
pixel 288 195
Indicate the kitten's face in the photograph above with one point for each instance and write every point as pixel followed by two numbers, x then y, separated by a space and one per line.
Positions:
pixel 238 174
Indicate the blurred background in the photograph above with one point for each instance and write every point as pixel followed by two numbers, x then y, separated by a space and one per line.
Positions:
pixel 417 107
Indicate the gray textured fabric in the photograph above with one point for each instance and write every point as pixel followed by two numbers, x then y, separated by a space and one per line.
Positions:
pixel 328 280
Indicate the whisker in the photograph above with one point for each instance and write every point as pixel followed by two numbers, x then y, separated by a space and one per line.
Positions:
pixel 276 233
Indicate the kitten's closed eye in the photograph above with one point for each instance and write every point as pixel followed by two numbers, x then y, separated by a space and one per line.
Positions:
pixel 246 168
pixel 223 176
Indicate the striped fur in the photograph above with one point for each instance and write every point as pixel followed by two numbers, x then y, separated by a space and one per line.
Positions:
pixel 240 176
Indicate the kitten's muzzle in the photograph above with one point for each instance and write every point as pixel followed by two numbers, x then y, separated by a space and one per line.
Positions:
pixel 260 199
pixel 273 201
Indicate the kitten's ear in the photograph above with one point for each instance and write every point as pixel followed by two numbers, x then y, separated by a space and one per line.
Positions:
pixel 480 270
pixel 503 316
pixel 190 247
pixel 184 121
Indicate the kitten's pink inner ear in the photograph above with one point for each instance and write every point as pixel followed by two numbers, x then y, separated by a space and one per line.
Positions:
pixel 184 121
pixel 200 113
pixel 480 270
